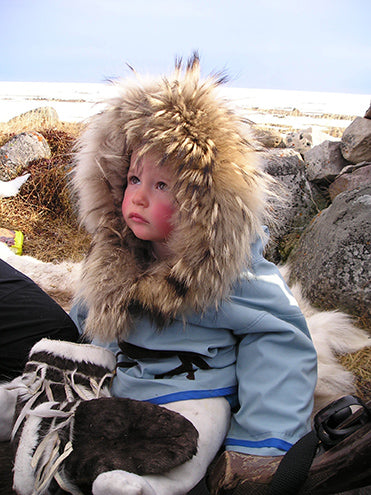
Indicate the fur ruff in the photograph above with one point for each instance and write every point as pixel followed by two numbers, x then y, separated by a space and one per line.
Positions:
pixel 220 190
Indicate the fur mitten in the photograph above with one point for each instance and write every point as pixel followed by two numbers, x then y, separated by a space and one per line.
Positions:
pixel 57 377
pixel 127 435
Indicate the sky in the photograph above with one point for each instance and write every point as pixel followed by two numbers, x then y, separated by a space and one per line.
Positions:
pixel 309 45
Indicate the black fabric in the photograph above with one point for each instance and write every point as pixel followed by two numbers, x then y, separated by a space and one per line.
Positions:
pixel 200 489
pixel 294 467
pixel 188 359
pixel 27 314
pixel 332 424
pixel 6 466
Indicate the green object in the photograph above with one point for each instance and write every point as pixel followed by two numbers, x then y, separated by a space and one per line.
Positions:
pixel 13 239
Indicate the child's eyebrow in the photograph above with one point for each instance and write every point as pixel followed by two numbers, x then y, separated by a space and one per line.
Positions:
pixel 137 166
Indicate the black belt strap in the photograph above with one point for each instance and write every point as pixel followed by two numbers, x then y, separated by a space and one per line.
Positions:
pixel 294 467
pixel 331 425
pixel 188 359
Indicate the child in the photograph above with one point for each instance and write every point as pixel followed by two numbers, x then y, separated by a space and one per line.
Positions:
pixel 175 282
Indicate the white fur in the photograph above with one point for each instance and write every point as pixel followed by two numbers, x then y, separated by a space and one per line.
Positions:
pixel 77 352
pixel 9 392
pixel 59 280
pixel 24 478
pixel 121 482
pixel 333 334
pixel 211 418
pixel 11 187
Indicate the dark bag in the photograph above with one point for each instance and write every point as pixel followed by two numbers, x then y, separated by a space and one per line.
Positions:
pixel 334 457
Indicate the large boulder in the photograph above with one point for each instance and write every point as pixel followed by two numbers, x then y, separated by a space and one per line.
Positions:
pixel 324 161
pixel 332 258
pixel 356 141
pixel 301 201
pixel 20 151
pixel 351 177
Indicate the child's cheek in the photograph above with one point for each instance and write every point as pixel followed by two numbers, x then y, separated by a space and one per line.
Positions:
pixel 124 205
pixel 163 215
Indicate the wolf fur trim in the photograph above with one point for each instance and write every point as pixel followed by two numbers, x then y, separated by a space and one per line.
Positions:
pixel 219 188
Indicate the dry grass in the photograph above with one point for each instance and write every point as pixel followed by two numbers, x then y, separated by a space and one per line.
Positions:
pixel 359 363
pixel 43 210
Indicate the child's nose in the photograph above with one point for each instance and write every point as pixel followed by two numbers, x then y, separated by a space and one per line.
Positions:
pixel 140 197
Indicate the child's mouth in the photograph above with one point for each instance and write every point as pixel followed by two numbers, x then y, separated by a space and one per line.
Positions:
pixel 137 218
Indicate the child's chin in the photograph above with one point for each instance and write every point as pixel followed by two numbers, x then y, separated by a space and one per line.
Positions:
pixel 140 233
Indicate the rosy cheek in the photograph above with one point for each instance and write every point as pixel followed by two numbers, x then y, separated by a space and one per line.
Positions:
pixel 163 214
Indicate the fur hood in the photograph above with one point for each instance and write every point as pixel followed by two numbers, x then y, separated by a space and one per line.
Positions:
pixel 220 191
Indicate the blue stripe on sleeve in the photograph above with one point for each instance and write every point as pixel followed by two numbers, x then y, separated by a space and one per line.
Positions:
pixel 268 442
pixel 193 394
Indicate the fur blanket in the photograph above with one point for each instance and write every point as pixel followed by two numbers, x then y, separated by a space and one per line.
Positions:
pixel 333 332
pixel 56 279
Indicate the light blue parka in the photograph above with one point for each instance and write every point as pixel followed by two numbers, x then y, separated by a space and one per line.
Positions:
pixel 255 350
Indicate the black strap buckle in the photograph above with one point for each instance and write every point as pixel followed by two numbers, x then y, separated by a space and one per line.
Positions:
pixel 338 420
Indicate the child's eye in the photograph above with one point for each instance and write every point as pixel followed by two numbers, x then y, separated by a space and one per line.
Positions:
pixel 133 179
pixel 162 186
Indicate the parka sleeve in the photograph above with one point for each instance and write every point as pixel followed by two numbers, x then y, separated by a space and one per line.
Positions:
pixel 78 314
pixel 276 364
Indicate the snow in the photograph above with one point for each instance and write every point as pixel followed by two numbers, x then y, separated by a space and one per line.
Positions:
pixel 252 102
pixel 75 102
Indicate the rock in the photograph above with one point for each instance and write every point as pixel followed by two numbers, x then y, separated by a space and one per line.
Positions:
pixel 332 258
pixel 356 141
pixel 20 151
pixel 268 138
pixel 302 200
pixel 301 141
pixel 324 162
pixel 43 116
pixel 351 177
pixel 368 113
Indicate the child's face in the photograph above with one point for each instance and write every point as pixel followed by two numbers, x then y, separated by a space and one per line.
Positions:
pixel 148 205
